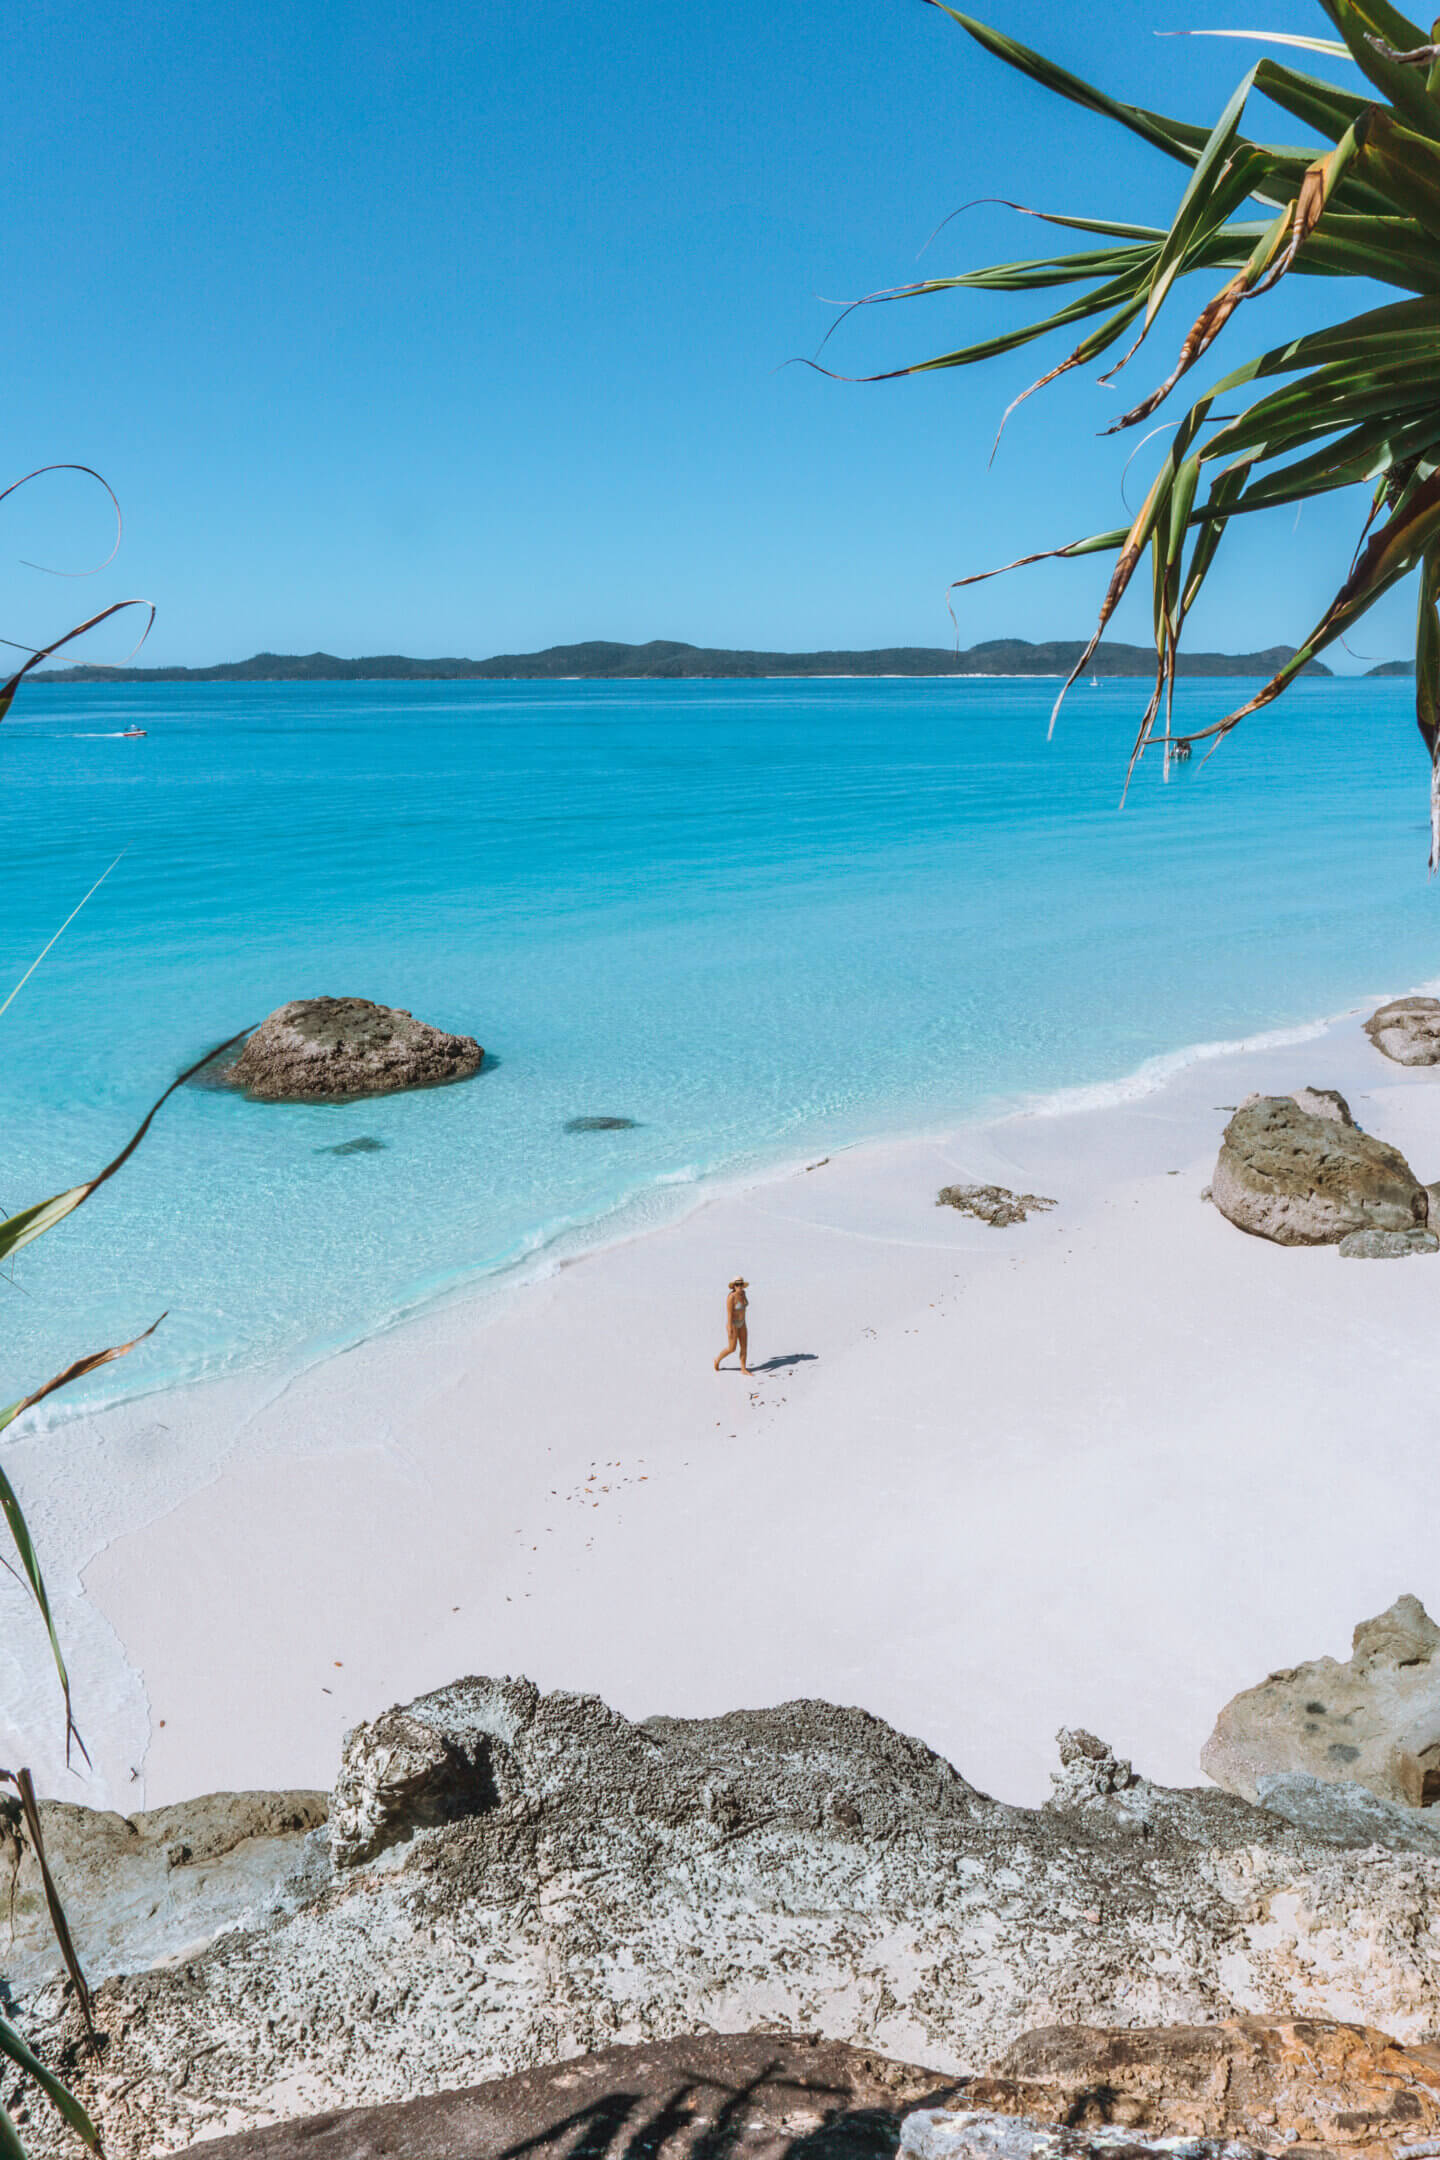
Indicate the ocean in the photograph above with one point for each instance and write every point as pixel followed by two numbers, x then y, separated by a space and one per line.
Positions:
pixel 764 920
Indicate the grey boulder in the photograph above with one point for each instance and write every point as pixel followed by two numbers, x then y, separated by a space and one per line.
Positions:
pixel 1374 1721
pixel 335 1049
pixel 1387 1244
pixel 1407 1030
pixel 1298 1178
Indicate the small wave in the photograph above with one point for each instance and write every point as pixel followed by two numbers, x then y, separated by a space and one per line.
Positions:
pixel 1157 1072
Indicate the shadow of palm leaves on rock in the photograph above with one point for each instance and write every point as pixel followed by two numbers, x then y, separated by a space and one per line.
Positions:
pixel 688 2125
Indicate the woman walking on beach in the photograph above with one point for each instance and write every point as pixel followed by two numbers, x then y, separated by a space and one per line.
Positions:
pixel 736 1304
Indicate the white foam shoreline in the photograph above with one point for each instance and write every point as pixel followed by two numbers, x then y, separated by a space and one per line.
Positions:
pixel 1011 1479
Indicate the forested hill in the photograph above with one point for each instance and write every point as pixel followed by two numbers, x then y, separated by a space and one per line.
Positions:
pixel 664 661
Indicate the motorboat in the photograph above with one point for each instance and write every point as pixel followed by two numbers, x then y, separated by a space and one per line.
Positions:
pixel 133 731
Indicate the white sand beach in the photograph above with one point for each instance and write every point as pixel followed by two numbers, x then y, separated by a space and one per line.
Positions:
pixel 1104 1468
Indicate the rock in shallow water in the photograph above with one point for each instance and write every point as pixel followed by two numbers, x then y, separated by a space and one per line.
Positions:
pixel 334 1049
pixel 1407 1030
pixel 1300 1179
pixel 1374 1721
pixel 366 1144
pixel 600 1124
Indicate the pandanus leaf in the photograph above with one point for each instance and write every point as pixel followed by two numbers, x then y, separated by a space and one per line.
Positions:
pixel 1355 404
pixel 25 1785
pixel 64 2102
pixel 19 1530
pixel 20 1230
pixel 32 1222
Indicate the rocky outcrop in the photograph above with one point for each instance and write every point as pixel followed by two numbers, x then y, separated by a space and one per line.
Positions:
pixel 1300 1178
pixel 141 1888
pixel 335 1049
pixel 1407 1030
pixel 992 1204
pixel 410 1769
pixel 805 1866
pixel 1269 2081
pixel 746 2096
pixel 1332 2088
pixel 1374 1721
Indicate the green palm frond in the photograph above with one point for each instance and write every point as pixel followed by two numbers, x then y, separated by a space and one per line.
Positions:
pixel 1355 405
pixel 15 1232
pixel 63 2101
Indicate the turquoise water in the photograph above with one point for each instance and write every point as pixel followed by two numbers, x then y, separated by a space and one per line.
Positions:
pixel 762 919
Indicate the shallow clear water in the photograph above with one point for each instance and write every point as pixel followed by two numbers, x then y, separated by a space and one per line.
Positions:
pixel 758 918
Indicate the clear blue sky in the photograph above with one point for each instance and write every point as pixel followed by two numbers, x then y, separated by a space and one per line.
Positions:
pixel 441 328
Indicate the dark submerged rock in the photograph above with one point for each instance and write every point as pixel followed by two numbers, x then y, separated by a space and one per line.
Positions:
pixel 600 1124
pixel 365 1144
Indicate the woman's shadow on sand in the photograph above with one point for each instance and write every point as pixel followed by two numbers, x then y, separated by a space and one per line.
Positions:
pixel 779 1364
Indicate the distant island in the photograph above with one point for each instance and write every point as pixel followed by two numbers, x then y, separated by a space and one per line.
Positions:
pixel 665 661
